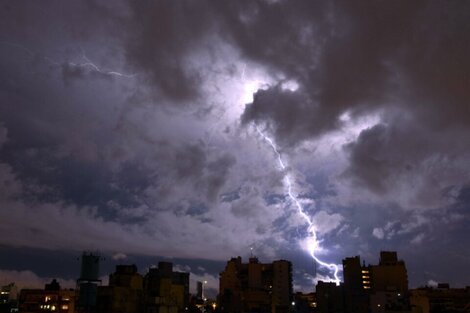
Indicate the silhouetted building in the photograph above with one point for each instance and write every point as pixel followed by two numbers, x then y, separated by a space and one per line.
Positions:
pixel 357 284
pixel 372 288
pixel 256 287
pixel 330 298
pixel 47 300
pixel 124 293
pixel 305 302
pixel 87 284
pixel 199 290
pixel 8 298
pixel 442 299
pixel 166 291
pixel 52 286
pixel 389 284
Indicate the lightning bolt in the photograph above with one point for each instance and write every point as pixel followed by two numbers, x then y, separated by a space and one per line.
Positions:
pixel 313 243
pixel 96 68
pixel 86 64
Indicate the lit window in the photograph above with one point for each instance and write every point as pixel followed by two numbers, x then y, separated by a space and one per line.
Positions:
pixel 65 307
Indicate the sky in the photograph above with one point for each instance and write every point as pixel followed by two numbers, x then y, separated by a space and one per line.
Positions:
pixel 140 130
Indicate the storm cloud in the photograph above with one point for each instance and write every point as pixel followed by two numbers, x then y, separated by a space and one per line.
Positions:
pixel 133 128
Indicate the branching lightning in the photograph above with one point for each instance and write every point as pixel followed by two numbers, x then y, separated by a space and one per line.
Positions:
pixel 96 68
pixel 86 64
pixel 312 241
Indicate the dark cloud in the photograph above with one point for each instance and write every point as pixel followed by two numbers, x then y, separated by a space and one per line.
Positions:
pixel 161 36
pixel 280 109
pixel 367 56
pixel 431 163
pixel 371 58
pixel 121 129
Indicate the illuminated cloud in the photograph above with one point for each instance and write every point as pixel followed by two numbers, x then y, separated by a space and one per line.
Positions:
pixel 128 127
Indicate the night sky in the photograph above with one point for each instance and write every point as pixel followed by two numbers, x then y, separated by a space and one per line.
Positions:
pixel 135 129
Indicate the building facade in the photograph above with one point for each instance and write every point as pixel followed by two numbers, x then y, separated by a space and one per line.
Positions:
pixel 124 292
pixel 166 291
pixel 377 288
pixel 440 299
pixel 50 299
pixel 255 286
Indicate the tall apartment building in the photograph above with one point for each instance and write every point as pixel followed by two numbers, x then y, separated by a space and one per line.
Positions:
pixel 389 284
pixel 166 291
pixel 124 292
pixel 8 298
pixel 373 288
pixel 357 284
pixel 255 286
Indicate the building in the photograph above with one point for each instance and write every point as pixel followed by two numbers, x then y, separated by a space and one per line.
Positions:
pixel 255 286
pixel 389 284
pixel 357 285
pixel 124 292
pixel 199 290
pixel 390 274
pixel 377 288
pixel 165 291
pixel 305 302
pixel 442 299
pixel 87 284
pixel 51 299
pixel 330 298
pixel 9 298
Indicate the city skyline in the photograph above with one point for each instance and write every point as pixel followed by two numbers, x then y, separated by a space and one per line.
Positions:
pixel 250 286
pixel 193 132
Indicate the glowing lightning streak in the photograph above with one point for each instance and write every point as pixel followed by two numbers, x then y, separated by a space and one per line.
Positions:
pixel 87 64
pixel 313 242
pixel 92 65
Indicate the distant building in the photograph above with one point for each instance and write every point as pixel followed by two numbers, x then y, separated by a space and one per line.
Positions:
pixel 442 299
pixel 373 288
pixel 255 286
pixel 305 302
pixel 165 291
pixel 330 298
pixel 9 298
pixel 48 300
pixel 87 284
pixel 124 293
pixel 199 290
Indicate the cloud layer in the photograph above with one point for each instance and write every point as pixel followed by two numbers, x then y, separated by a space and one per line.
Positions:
pixel 130 127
